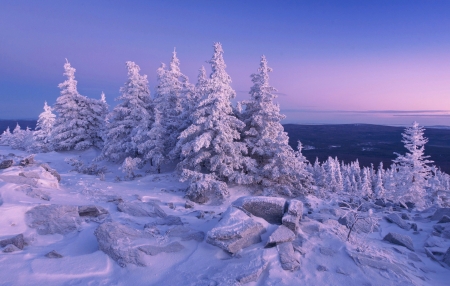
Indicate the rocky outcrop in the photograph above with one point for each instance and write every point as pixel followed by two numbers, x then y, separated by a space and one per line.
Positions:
pixel 400 239
pixel 51 171
pixel 269 208
pixel 51 219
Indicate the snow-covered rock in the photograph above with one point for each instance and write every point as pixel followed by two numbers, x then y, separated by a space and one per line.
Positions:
pixel 444 219
pixel 168 220
pixel 15 240
pixel 290 222
pixel 155 250
pixel 6 164
pixel 32 175
pixel 27 160
pixel 446 258
pixel 280 235
pixel 10 248
pixel 19 180
pixel 186 233
pixel 93 213
pixel 53 254
pixel 50 219
pixel 400 239
pixel 116 240
pixel 295 208
pixel 141 209
pixel 395 218
pixel 377 263
pixel 288 258
pixel 440 212
pixel 53 172
pixel 269 208
pixel 34 192
pixel 443 229
pixel 236 230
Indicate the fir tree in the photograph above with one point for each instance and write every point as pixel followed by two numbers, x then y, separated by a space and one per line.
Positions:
pixel 44 126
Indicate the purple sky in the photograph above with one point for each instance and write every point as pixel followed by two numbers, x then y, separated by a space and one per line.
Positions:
pixel 382 62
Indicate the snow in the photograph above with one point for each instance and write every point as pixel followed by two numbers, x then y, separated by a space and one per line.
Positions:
pixel 320 246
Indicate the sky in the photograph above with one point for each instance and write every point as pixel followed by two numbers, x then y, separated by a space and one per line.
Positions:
pixel 378 62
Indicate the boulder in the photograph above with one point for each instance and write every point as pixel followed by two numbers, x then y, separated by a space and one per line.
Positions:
pixel 51 171
pixel 290 222
pixel 406 216
pixel 15 240
pixel 6 164
pixel 235 231
pixel 280 235
pixel 19 180
pixel 155 250
pixel 10 248
pixel 168 220
pixel 53 254
pixel 400 239
pixel 446 258
pixel 186 233
pixel 440 212
pixel 27 160
pixel 116 240
pixel 443 229
pixel 395 218
pixel 444 219
pixel 92 211
pixel 51 219
pixel 141 209
pixel 287 256
pixel 269 208
pixel 295 208
pixel 252 274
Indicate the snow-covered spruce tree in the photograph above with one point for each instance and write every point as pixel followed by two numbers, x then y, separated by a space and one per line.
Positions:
pixel 6 137
pixel 129 122
pixel 379 190
pixel 17 138
pixel 277 168
pixel 75 127
pixel 211 143
pixel 44 126
pixel 439 188
pixel 153 148
pixel 413 171
pixel 99 110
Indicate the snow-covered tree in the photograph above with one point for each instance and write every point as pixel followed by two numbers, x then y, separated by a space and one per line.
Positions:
pixel 379 190
pixel 130 165
pixel 211 143
pixel 21 139
pixel 75 127
pixel 44 126
pixel 277 168
pixel 153 148
pixel 413 171
pixel 6 137
pixel 99 109
pixel 129 122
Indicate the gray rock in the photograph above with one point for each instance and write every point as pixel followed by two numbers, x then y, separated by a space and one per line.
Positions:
pixel 444 219
pixel 32 175
pixel 92 211
pixel 280 235
pixel 236 230
pixel 155 250
pixel 414 226
pixel 400 239
pixel 50 219
pixel 252 275
pixel 295 208
pixel 443 229
pixel 406 216
pixel 19 180
pixel 290 222
pixel 446 258
pixel 186 233
pixel 395 218
pixel 440 212
pixel 10 248
pixel 15 240
pixel 51 171
pixel 287 255
pixel 6 164
pixel 116 240
pixel 53 254
pixel 141 209
pixel 27 160
pixel 269 208
pixel 168 220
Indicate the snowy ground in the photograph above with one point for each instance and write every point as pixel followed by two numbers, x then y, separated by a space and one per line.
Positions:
pixel 326 258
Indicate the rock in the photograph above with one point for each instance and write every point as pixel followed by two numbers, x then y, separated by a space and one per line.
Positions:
pixel 155 250
pixel 430 254
pixel 406 216
pixel 6 164
pixel 168 220
pixel 10 248
pixel 280 235
pixel 290 222
pixel 414 226
pixel 236 230
pixel 32 175
pixel 444 219
pixel 395 218
pixel 27 160
pixel 199 214
pixel 116 240
pixel 34 192
pixel 400 239
pixel 446 258
pixel 410 205
pixel 287 255
pixel 51 219
pixel 53 254
pixel 440 212
pixel 443 229
pixel 295 208
pixel 377 263
pixel 51 171
pixel 189 205
pixel 15 240
pixel 19 180
pixel 186 233
pixel 91 210
pixel 141 209
pixel 269 208
pixel 344 220
pixel 322 268
pixel 252 275
pixel 171 206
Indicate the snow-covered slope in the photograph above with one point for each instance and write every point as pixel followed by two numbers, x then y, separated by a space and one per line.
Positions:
pixel 147 222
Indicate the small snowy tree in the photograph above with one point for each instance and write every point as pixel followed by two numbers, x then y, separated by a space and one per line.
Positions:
pixel 129 166
pixel 6 137
pixel 17 138
pixel 99 111
pixel 129 122
pixel 44 126
pixel 413 171
pixel 379 190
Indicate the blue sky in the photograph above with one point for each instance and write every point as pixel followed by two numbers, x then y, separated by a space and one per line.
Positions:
pixel 385 62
